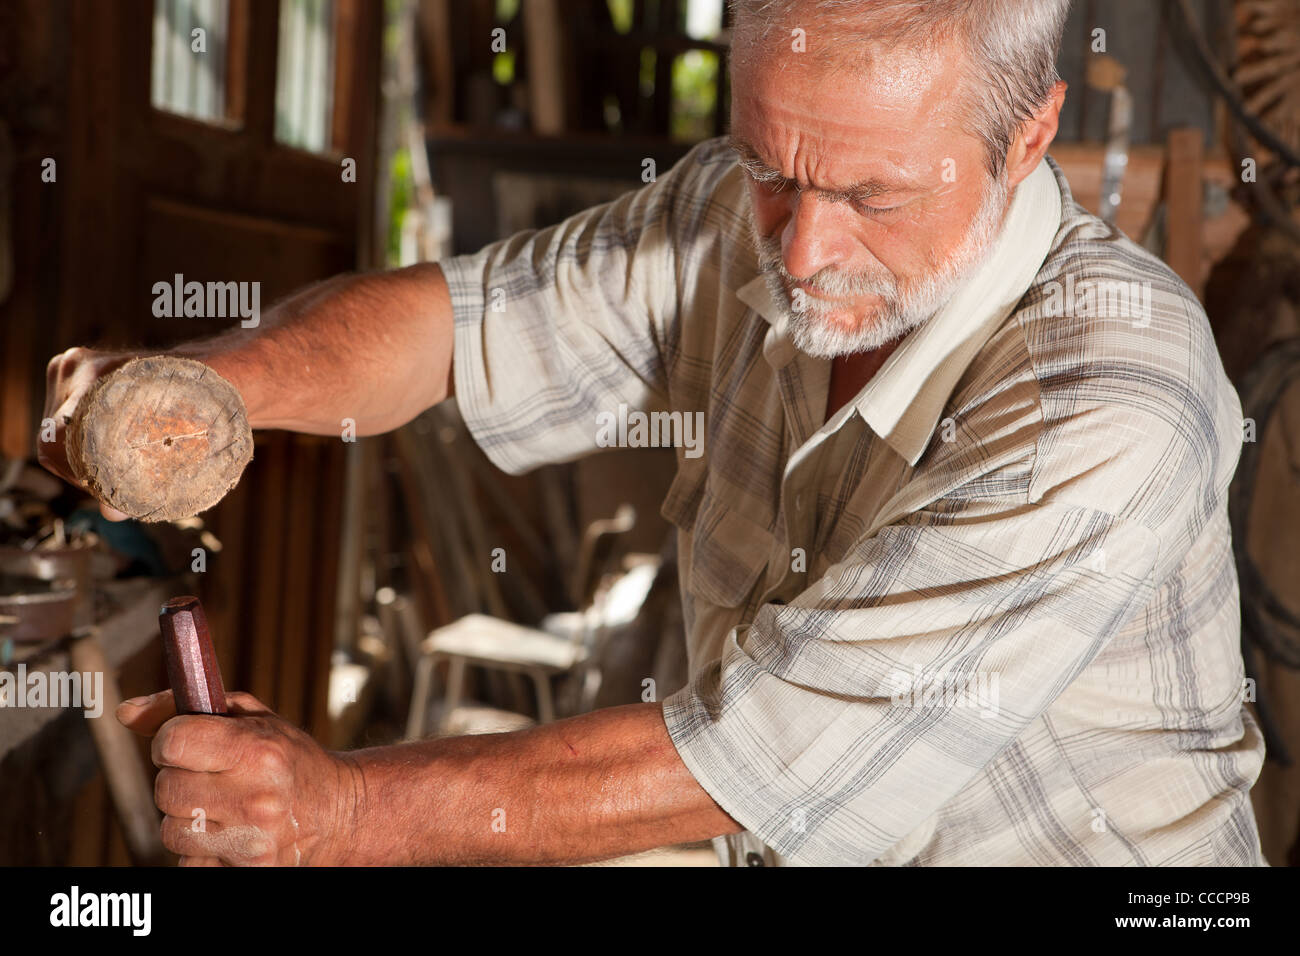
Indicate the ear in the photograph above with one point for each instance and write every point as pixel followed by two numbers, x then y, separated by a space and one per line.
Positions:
pixel 1034 137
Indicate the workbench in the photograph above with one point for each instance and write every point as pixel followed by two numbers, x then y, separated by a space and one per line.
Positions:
pixel 48 755
pixel 130 624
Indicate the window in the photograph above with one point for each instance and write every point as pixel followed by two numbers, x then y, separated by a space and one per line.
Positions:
pixel 304 82
pixel 190 58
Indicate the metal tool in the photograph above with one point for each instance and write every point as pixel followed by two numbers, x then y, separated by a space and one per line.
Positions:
pixel 45 595
pixel 192 667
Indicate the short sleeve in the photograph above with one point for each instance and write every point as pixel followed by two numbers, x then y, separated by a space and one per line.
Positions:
pixel 556 327
pixel 834 726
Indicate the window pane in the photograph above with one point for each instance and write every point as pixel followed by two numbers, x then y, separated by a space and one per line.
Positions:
pixel 304 86
pixel 695 95
pixel 620 13
pixel 189 57
pixel 703 19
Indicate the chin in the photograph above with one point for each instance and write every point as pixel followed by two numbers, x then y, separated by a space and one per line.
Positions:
pixel 836 334
pixel 844 321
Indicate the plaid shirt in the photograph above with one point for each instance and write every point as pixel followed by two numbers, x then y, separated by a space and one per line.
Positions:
pixel 987 612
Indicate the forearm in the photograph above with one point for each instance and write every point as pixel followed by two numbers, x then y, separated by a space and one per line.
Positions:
pixel 375 348
pixel 588 788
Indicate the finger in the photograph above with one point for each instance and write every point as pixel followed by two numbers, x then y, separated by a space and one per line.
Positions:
pixel 51 381
pixel 111 513
pixel 205 797
pixel 54 376
pixel 204 743
pixel 144 715
pixel 200 861
pixel 52 455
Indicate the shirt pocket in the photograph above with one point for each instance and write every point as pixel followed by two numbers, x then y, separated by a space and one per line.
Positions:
pixel 723 550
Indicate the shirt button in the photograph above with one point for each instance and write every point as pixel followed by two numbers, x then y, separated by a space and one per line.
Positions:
pixel 754 859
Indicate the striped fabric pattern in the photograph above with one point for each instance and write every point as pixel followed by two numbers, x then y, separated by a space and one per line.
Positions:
pixel 1007 636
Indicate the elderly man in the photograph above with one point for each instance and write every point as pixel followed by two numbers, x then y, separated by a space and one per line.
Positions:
pixel 955 560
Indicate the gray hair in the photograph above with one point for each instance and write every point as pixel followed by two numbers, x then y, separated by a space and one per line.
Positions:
pixel 1012 47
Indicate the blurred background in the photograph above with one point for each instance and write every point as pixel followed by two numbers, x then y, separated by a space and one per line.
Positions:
pixel 400 586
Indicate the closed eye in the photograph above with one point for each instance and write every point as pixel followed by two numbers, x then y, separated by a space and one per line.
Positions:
pixel 876 210
pixel 774 182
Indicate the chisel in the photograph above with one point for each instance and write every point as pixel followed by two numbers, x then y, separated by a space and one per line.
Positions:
pixel 192 667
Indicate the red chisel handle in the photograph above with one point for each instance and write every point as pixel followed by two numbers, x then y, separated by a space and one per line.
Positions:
pixel 191 662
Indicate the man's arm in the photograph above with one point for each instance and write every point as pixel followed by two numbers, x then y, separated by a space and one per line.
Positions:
pixel 587 788
pixel 376 348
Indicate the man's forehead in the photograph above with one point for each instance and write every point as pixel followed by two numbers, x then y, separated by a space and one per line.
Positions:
pixel 893 117
pixel 894 86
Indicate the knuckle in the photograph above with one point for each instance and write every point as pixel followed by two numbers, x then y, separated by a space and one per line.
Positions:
pixel 268 807
pixel 68 360
pixel 268 761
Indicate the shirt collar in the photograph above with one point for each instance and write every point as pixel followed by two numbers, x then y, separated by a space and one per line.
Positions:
pixel 903 401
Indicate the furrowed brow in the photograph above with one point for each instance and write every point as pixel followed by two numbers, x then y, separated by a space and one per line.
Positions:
pixel 753 164
pixel 857 192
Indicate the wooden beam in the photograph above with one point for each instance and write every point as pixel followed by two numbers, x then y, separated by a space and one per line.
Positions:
pixel 1183 200
pixel 437 62
pixel 544 35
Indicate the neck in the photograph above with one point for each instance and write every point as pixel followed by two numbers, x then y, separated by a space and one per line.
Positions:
pixel 851 373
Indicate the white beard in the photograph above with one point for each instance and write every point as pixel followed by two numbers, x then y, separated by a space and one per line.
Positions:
pixel 902 309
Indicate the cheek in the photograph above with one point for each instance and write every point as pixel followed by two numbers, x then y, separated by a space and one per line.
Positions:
pixel 917 242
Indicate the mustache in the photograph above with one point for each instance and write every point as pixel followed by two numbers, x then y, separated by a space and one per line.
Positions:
pixel 828 282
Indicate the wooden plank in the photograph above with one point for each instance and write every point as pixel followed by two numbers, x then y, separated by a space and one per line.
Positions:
pixel 437 61
pixel 301 565
pixel 548 65
pixel 1082 165
pixel 237 64
pixel 128 778
pixel 359 137
pixel 1184 198
pixel 326 546
pixel 265 583
pixel 221 587
pixel 263 54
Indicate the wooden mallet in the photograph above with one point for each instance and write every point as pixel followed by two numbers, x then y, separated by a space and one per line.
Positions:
pixel 160 439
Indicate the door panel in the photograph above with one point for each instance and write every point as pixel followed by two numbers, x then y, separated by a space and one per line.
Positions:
pixel 143 194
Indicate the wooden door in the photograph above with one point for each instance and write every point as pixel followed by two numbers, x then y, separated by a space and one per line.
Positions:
pixel 220 159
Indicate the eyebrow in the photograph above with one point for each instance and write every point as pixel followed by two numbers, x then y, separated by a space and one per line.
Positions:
pixel 866 189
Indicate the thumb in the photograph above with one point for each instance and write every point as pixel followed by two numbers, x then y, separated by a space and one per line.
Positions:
pixel 144 715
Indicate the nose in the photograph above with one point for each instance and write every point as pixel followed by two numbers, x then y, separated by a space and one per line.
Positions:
pixel 813 237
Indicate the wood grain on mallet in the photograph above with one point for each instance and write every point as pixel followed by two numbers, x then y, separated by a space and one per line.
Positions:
pixel 160 439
